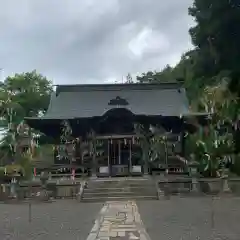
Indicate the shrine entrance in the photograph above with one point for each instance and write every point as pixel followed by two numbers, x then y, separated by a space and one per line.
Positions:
pixel 119 155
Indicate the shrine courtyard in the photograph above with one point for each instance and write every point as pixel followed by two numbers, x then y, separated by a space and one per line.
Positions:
pixel 177 218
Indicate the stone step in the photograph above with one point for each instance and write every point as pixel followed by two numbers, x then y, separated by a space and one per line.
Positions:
pixel 119 189
pixel 107 188
pixel 106 180
pixel 112 193
pixel 115 198
pixel 117 180
pixel 118 195
pixel 122 183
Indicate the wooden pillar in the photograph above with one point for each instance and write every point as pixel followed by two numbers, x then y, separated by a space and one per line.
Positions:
pixel 166 154
pixel 130 156
pixel 145 168
pixel 183 141
pixel 114 152
pixel 119 152
pixel 146 149
pixel 109 167
pixel 94 160
pixel 93 142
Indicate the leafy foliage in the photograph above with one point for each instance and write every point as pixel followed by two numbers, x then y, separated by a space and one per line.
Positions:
pixel 208 71
pixel 215 144
pixel 157 77
pixel 22 95
pixel 27 93
pixel 145 134
pixel 216 36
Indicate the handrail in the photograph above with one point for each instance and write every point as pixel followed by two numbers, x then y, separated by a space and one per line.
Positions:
pixel 182 159
pixel 65 175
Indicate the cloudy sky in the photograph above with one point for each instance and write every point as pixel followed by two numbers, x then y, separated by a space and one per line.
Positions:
pixel 92 41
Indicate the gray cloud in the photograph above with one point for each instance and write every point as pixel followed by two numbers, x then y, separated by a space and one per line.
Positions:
pixel 90 40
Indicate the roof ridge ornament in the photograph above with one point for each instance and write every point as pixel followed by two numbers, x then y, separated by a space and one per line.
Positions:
pixel 118 101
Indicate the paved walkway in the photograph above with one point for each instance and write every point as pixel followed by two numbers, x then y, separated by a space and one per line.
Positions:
pixel 118 221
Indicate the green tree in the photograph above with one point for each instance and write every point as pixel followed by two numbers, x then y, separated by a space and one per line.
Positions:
pixel 166 75
pixel 212 148
pixel 216 37
pixel 22 95
pixel 31 91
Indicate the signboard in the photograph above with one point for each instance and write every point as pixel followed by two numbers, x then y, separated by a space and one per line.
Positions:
pixel 136 169
pixel 103 169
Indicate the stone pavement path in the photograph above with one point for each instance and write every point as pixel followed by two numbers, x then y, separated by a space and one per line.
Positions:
pixel 118 221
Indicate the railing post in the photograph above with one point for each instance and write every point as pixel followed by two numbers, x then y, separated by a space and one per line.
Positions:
pixel 81 191
pixel 194 174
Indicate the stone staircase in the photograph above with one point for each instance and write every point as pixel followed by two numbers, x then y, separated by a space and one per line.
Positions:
pixel 119 189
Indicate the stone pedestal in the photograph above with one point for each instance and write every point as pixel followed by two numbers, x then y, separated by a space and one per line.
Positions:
pixel 162 175
pixel 94 169
pixel 93 176
pixel 44 178
pixel 225 186
pixel 80 192
pixel 145 169
pixel 50 176
pixel 194 185
pixel 162 187
pixel 42 195
pixel 194 174
pixel 13 190
pixel 166 191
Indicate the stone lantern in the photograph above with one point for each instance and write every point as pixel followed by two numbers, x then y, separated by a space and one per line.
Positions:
pixel 43 178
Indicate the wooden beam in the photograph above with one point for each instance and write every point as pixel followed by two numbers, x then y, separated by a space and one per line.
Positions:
pixel 102 137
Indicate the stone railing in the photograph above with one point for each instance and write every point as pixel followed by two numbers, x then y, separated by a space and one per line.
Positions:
pixel 188 186
pixel 34 191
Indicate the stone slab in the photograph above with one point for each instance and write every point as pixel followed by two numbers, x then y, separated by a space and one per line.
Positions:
pixel 119 221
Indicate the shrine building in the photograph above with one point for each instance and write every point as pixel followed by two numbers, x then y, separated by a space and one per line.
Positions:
pixel 108 128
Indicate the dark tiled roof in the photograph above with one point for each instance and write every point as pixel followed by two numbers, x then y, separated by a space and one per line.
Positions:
pixel 83 101
pixel 116 87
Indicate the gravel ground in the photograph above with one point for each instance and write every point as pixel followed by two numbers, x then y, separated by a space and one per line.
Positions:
pixel 174 219
pixel 192 218
pixel 61 220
